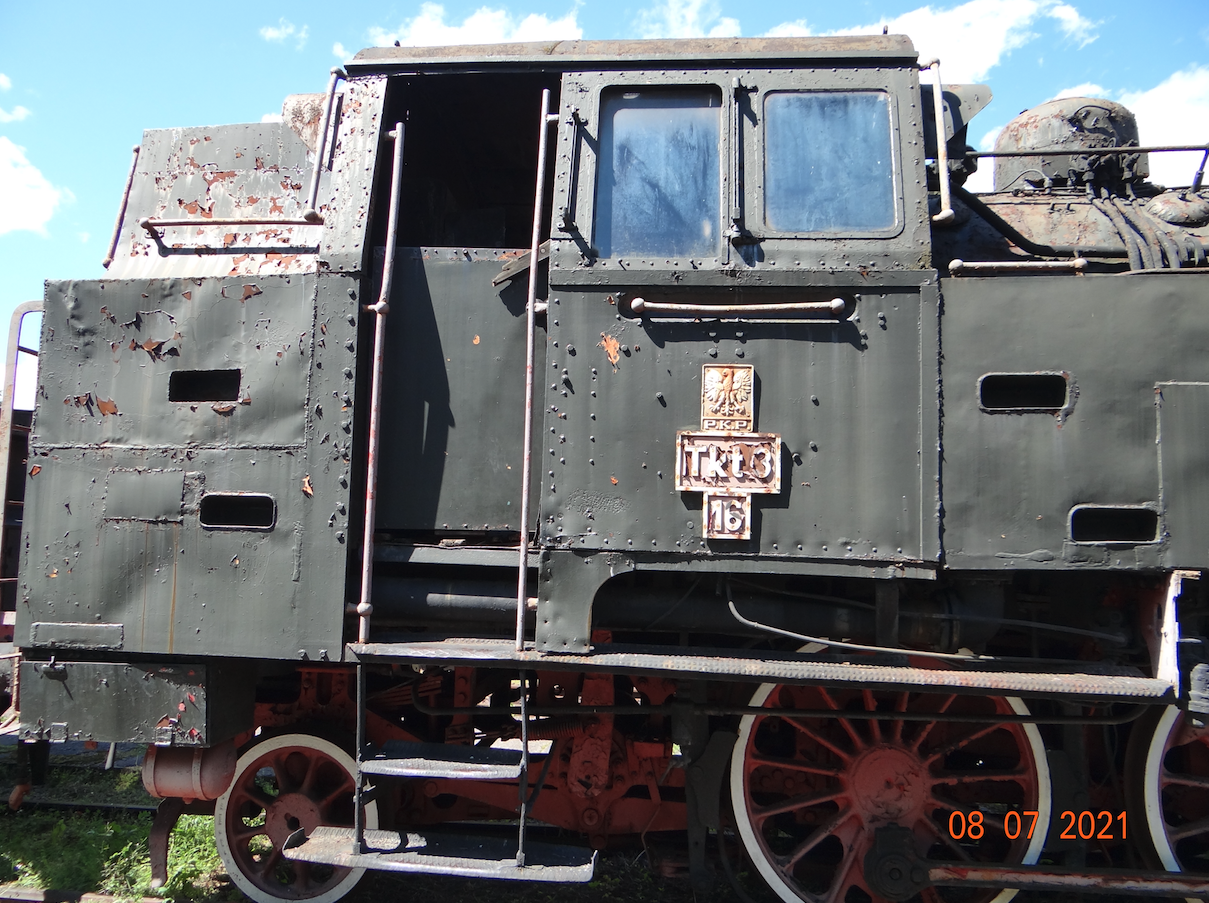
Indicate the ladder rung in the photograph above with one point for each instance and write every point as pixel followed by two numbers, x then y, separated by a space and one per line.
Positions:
pixel 443 854
pixel 438 760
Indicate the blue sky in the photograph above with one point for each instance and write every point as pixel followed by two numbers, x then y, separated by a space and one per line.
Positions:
pixel 79 81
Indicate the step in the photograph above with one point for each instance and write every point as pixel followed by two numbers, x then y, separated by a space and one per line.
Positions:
pixel 441 760
pixel 443 854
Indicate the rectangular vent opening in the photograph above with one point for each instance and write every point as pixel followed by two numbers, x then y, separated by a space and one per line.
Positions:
pixel 1023 391
pixel 1096 524
pixel 238 511
pixel 203 385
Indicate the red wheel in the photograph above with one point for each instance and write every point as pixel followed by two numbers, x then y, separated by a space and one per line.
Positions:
pixel 1174 791
pixel 283 784
pixel 809 792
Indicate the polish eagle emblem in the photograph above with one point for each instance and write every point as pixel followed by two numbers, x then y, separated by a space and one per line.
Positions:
pixel 727 391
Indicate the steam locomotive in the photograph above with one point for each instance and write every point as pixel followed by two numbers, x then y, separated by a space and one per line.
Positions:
pixel 639 439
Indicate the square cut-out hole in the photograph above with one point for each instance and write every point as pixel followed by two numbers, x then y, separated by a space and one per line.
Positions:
pixel 238 511
pixel 203 385
pixel 1023 391
pixel 1094 523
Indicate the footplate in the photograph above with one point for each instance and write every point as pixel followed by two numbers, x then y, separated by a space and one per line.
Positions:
pixel 443 854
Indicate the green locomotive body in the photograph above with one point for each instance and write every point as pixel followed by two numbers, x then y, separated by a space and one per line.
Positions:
pixel 590 431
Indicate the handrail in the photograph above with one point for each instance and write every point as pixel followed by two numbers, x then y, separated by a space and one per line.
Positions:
pixel 365 607
pixel 310 214
pixel 823 309
pixel 117 225
pixel 1089 151
pixel 946 213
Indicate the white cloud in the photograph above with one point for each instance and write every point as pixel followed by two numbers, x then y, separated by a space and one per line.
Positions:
pixel 972 38
pixel 340 51
pixel 283 30
pixel 1087 89
pixel 27 199
pixel 272 117
pixel 16 115
pixel 1173 112
pixel 5 82
pixel 795 29
pixel 83 236
pixel 1073 24
pixel 483 26
pixel 689 19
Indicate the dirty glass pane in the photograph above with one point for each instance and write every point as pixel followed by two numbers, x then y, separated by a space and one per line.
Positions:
pixel 659 182
pixel 827 162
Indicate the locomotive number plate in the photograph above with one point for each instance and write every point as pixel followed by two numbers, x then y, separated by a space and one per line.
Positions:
pixel 722 463
pixel 726 516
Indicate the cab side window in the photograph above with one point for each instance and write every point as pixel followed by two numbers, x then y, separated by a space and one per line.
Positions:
pixel 828 163
pixel 659 179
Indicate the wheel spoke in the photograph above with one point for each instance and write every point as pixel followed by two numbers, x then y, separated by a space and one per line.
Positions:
pixel 253 794
pixel 817 836
pixel 794 802
pixel 927 728
pixel 340 793
pixel 1184 780
pixel 840 882
pixel 243 837
pixel 791 765
pixel 311 775
pixel 284 782
pixel 943 837
pixel 1200 826
pixel 875 729
pixel 851 731
pixel 900 705
pixel 269 863
pixel 978 777
pixel 957 744
pixel 821 741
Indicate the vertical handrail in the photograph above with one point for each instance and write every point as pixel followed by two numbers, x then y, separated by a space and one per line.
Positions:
pixel 365 607
pixel 522 593
pixel 530 329
pixel 311 214
pixel 117 226
pixel 358 791
pixel 942 145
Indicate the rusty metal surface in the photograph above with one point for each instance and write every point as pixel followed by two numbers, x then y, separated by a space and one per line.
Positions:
pixel 120 472
pixel 1125 684
pixel 354 156
pixel 182 704
pixel 256 171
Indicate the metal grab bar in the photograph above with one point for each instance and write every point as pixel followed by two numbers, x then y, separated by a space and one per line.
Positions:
pixel 365 607
pixel 946 213
pixel 959 266
pixel 117 225
pixel 823 309
pixel 310 214
pixel 153 224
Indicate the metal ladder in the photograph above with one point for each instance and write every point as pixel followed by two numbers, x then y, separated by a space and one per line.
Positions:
pixel 447 853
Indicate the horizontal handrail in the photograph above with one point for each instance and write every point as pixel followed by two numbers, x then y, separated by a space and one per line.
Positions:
pixel 959 266
pixel 825 309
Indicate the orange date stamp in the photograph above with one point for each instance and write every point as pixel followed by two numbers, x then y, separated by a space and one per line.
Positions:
pixel 1083 825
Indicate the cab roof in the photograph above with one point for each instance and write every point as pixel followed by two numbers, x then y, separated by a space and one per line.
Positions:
pixel 564 55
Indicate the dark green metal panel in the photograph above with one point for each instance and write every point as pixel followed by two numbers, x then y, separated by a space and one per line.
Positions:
pixel 1011 480
pixel 1184 465
pixel 852 403
pixel 148 516
pixel 453 393
pixel 191 704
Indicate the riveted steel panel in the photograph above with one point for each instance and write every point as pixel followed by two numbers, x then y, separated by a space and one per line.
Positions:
pixel 1012 479
pixel 168 705
pixel 453 393
pixel 853 403
pixel 1183 430
pixel 355 151
pixel 114 532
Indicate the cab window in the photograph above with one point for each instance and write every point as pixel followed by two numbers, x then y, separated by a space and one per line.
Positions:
pixel 659 179
pixel 828 164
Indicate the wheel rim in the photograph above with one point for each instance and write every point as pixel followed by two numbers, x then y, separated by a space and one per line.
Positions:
pixel 808 793
pixel 283 784
pixel 1177 793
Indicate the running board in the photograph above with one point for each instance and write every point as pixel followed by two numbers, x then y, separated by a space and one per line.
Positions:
pixel 442 854
pixel 1089 681
pixel 439 760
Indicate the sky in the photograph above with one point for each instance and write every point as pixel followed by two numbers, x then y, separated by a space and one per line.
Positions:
pixel 80 80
